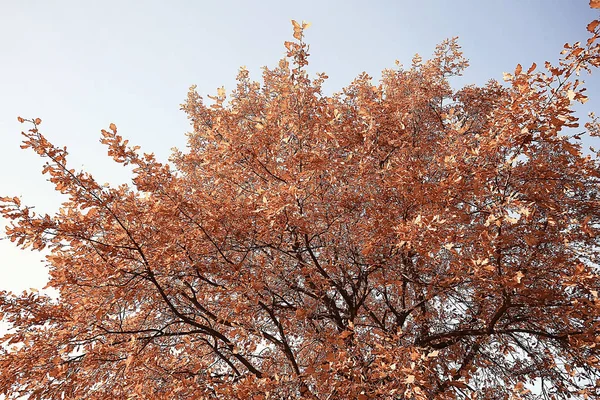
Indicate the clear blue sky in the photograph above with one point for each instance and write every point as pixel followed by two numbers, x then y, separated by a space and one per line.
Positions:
pixel 80 65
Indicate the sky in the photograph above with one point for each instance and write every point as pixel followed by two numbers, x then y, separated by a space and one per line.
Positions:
pixel 81 65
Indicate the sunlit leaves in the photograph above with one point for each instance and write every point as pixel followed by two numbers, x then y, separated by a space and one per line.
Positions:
pixel 400 239
pixel 299 29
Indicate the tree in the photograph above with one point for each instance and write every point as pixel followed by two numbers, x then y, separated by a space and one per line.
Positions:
pixel 401 240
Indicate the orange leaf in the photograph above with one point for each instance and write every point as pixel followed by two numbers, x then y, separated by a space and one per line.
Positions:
pixel 518 69
pixel 345 334
pixel 113 127
pixel 592 25
pixel 519 276
pixel 128 361
pixel 531 240
pixel 37 121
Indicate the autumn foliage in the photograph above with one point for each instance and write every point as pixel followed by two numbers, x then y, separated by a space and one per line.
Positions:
pixel 400 240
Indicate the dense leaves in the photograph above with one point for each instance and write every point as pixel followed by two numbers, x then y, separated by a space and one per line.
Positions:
pixel 399 240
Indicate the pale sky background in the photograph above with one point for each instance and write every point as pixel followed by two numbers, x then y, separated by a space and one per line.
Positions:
pixel 80 65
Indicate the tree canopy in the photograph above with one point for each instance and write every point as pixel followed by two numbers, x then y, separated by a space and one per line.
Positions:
pixel 398 240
